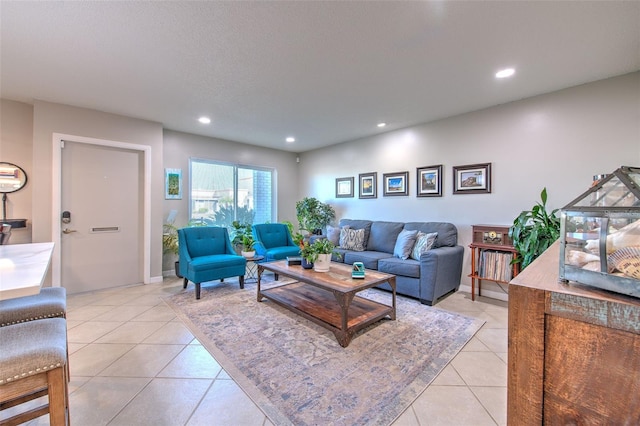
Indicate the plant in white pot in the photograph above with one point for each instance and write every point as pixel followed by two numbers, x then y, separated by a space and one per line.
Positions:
pixel 247 246
pixel 321 251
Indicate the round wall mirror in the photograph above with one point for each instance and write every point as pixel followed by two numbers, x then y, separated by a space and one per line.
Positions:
pixel 12 178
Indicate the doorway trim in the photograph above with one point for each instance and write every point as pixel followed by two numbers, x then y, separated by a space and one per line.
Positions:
pixel 56 202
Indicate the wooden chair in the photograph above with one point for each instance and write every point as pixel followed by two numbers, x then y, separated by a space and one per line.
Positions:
pixel 33 363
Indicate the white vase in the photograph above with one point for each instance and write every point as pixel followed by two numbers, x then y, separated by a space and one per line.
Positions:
pixel 323 264
pixel 248 254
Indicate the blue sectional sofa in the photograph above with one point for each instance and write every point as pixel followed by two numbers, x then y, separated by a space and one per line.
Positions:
pixel 435 275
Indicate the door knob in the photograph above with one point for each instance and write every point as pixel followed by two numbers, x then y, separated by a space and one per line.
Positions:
pixel 68 231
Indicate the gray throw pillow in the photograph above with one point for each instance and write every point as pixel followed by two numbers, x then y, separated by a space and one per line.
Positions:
pixel 404 244
pixel 333 235
pixel 352 239
pixel 424 242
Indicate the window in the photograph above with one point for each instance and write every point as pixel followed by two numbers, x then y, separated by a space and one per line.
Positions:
pixel 221 193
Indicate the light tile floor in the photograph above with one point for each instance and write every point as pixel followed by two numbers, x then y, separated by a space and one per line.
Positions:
pixel 134 363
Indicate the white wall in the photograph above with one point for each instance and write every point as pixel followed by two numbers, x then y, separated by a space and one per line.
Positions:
pixel 558 140
pixel 49 118
pixel 16 146
pixel 180 147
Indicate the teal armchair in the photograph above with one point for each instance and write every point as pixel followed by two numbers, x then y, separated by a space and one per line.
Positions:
pixel 205 254
pixel 273 241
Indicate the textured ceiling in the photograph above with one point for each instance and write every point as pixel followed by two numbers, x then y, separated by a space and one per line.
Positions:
pixel 323 72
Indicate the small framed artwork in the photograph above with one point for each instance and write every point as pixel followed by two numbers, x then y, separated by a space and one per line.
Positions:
pixel 173 184
pixel 472 179
pixel 344 187
pixel 368 182
pixel 429 181
pixel 396 183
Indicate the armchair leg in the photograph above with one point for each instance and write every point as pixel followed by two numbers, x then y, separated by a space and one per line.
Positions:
pixel 184 285
pixel 241 279
pixel 197 291
pixel 275 276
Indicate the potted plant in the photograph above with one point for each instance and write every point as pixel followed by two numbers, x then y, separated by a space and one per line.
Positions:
pixel 170 243
pixel 533 231
pixel 320 252
pixel 307 254
pixel 170 240
pixel 239 231
pixel 247 246
pixel 314 215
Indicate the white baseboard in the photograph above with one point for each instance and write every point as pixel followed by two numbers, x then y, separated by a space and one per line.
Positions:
pixel 155 280
pixel 487 293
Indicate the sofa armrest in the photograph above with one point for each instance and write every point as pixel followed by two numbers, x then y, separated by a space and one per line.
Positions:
pixel 440 272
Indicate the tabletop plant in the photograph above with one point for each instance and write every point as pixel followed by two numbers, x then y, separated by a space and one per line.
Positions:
pixel 318 247
pixel 238 233
pixel 248 242
pixel 533 231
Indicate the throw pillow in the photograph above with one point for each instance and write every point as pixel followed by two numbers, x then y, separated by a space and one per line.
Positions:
pixel 352 239
pixel 424 242
pixel 404 244
pixel 333 234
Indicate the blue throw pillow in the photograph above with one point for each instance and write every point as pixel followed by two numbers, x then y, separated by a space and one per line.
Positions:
pixel 404 244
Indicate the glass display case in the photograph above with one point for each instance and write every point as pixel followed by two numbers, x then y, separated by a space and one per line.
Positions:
pixel 600 234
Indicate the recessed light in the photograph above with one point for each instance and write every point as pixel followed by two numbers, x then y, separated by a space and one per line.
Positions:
pixel 204 120
pixel 382 124
pixel 507 72
pixel 290 139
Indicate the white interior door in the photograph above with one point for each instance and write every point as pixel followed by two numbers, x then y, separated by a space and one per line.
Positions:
pixel 101 238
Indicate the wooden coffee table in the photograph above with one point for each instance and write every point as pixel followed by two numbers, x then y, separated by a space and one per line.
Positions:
pixel 329 298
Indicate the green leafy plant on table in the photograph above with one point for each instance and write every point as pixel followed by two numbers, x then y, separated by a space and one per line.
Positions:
pixel 238 234
pixel 318 247
pixel 533 231
pixel 248 242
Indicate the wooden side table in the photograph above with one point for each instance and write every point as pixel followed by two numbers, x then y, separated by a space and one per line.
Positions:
pixel 492 239
pixel 252 268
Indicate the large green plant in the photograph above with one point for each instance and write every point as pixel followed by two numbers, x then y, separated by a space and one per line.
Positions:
pixel 313 215
pixel 170 235
pixel 533 231
pixel 170 238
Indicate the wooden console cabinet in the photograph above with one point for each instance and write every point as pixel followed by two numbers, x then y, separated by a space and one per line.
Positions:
pixel 491 254
pixel 574 351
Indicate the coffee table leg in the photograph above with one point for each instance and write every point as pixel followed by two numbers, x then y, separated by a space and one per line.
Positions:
pixel 343 335
pixel 260 269
pixel 392 283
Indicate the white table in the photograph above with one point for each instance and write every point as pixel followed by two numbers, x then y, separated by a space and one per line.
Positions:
pixel 23 268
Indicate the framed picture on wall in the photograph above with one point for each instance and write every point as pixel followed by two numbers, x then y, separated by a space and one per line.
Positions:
pixel 429 181
pixel 173 184
pixel 472 179
pixel 368 185
pixel 344 187
pixel 396 183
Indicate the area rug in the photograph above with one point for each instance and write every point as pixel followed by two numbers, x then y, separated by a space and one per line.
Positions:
pixel 296 371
